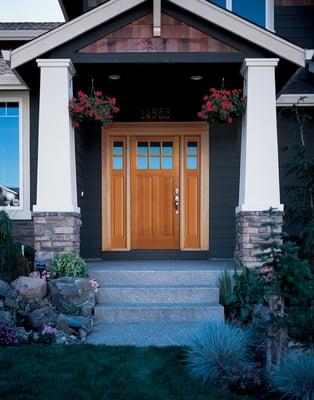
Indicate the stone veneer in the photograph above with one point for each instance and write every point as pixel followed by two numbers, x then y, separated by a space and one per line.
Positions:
pixel 23 231
pixel 251 232
pixel 56 233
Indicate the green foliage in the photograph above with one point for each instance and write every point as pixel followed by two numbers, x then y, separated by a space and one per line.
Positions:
pixel 68 264
pixel 295 376
pixel 246 291
pixel 214 345
pixel 225 287
pixel 8 248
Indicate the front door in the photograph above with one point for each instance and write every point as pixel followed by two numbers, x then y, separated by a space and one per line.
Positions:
pixel 155 192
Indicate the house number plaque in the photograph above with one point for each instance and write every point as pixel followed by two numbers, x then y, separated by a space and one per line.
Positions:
pixel 155 113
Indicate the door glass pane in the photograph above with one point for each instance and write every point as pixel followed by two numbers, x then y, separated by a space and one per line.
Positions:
pixel 191 163
pixel 117 148
pixel 155 148
pixel 142 162
pixel 167 148
pixel 192 148
pixel 117 163
pixel 154 163
pixel 167 163
pixel 142 148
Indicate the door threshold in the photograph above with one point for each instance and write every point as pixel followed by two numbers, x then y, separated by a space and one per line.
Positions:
pixel 155 255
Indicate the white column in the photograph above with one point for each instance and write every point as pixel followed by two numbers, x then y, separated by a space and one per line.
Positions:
pixel 259 175
pixel 56 178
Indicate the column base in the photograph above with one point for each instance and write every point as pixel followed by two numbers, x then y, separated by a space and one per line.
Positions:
pixel 251 232
pixel 56 233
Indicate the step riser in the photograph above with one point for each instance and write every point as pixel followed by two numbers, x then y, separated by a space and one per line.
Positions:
pixel 179 315
pixel 157 295
pixel 155 278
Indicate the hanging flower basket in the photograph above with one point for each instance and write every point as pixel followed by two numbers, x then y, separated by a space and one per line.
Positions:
pixel 222 105
pixel 96 107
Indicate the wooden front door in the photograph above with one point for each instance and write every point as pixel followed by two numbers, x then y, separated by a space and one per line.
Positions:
pixel 155 192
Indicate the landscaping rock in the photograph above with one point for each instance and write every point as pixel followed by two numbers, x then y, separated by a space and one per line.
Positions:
pixel 5 315
pixel 75 325
pixel 30 288
pixel 43 316
pixel 11 304
pixel 6 290
pixel 73 294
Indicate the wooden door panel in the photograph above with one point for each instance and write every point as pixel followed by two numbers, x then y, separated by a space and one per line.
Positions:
pixel 154 223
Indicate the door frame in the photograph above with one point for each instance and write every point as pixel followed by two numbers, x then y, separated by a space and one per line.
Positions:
pixel 181 129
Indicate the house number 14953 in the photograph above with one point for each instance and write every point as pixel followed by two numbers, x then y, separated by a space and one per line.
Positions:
pixel 155 114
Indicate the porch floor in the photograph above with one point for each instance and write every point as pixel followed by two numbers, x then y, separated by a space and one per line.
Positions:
pixel 154 303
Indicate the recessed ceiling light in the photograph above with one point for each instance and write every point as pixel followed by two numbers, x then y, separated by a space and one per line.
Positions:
pixel 196 77
pixel 114 77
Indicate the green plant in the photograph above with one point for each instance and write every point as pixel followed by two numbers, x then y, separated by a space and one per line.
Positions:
pixel 295 376
pixel 225 287
pixel 214 346
pixel 8 248
pixel 68 264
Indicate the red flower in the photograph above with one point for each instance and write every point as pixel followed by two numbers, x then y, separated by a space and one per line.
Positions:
pixel 75 124
pixel 229 120
pixel 112 101
pixel 206 98
pixel 98 93
pixel 210 106
pixel 82 96
pixel 201 115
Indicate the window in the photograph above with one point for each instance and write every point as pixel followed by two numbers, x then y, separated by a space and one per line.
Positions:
pixel 9 154
pixel 192 155
pixel 252 10
pixel 14 154
pixel 155 155
pixel 118 155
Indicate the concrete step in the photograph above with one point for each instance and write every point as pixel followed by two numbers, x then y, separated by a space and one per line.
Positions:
pixel 158 294
pixel 143 334
pixel 178 313
pixel 161 277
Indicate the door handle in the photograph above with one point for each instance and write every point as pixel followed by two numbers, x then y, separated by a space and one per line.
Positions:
pixel 177 201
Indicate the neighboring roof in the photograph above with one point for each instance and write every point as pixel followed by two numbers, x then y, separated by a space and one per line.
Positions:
pixel 4 68
pixel 33 26
pixel 25 30
pixel 201 8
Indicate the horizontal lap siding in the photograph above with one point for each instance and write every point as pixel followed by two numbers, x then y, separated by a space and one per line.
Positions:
pixel 296 24
pixel 89 173
pixel 224 188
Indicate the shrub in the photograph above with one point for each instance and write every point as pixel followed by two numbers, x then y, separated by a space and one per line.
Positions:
pixel 215 346
pixel 68 264
pixel 8 248
pixel 225 287
pixel 8 335
pixel 295 376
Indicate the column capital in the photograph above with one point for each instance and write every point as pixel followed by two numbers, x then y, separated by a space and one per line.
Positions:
pixel 56 62
pixel 258 62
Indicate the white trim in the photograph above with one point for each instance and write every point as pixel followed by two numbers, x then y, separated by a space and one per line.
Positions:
pixel 21 97
pixel 270 15
pixel 229 5
pixel 244 29
pixel 286 100
pixel 70 30
pixel 202 8
pixel 21 34
pixel 11 82
pixel 157 18
pixel 309 54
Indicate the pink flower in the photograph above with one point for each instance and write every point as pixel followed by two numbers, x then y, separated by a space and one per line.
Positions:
pixel 98 93
pixel 113 101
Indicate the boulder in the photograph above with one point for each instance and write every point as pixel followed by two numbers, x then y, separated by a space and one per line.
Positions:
pixel 6 290
pixel 73 295
pixel 43 316
pixel 77 325
pixel 30 288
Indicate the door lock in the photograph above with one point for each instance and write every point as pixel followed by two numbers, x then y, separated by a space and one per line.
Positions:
pixel 177 201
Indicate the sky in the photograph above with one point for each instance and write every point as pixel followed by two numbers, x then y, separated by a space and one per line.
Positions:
pixel 30 11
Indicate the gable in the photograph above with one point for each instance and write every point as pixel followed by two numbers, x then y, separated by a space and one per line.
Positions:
pixel 176 36
pixel 109 11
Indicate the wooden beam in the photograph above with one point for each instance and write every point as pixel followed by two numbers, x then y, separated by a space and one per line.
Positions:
pixel 157 18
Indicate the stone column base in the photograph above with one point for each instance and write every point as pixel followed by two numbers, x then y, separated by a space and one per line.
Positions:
pixel 251 232
pixel 56 233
